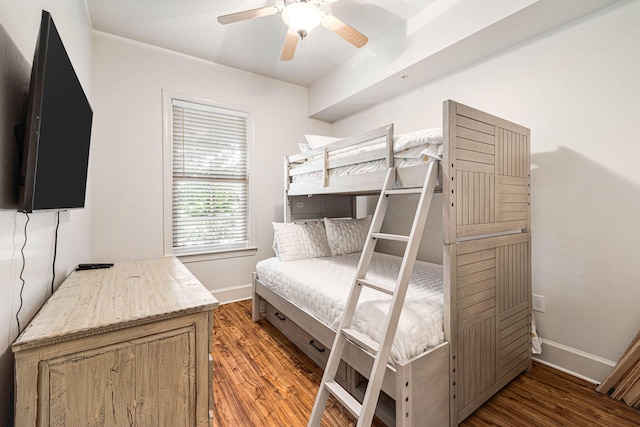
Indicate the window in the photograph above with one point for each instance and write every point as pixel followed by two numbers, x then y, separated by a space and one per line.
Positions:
pixel 209 178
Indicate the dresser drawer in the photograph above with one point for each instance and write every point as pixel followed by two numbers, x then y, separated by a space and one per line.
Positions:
pixel 317 351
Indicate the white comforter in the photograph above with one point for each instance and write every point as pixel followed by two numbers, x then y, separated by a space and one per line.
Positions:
pixel 321 286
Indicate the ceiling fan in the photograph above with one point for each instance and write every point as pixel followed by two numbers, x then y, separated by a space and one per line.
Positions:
pixel 301 16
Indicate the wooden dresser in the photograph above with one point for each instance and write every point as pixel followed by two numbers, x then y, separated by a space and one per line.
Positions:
pixel 128 345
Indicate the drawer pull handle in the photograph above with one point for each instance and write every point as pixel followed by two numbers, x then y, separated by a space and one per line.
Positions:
pixel 279 316
pixel 312 343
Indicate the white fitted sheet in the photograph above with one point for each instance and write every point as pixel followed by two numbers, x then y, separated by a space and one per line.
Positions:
pixel 321 287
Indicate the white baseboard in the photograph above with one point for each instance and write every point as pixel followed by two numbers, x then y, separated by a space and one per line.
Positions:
pixel 232 294
pixel 575 362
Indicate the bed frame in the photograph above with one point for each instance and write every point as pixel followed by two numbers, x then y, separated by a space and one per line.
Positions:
pixel 485 173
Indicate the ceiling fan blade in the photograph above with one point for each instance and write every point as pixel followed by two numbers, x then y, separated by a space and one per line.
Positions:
pixel 289 46
pixel 249 14
pixel 345 31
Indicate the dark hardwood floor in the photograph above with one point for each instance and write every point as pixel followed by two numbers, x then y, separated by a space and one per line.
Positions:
pixel 261 379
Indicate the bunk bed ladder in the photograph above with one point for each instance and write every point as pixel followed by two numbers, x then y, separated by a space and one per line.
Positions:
pixel 364 411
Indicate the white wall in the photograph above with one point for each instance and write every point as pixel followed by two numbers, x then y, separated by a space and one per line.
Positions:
pixel 577 88
pixel 129 78
pixel 22 21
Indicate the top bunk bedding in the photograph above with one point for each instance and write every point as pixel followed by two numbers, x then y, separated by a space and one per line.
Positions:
pixel 360 161
pixel 321 286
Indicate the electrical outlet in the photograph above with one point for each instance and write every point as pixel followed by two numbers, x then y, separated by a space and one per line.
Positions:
pixel 538 303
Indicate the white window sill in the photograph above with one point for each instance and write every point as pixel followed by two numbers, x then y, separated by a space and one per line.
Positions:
pixel 215 255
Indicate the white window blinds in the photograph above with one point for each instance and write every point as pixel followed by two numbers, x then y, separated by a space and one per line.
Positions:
pixel 210 177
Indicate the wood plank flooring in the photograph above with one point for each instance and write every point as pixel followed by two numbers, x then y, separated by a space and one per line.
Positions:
pixel 261 379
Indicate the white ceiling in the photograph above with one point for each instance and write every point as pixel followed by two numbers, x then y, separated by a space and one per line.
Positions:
pixel 418 39
pixel 190 26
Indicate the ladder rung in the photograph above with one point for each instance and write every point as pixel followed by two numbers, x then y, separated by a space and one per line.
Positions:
pixel 385 236
pixel 362 340
pixel 415 190
pixel 377 287
pixel 344 397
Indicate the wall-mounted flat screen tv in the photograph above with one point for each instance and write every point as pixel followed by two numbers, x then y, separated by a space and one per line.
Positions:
pixel 58 129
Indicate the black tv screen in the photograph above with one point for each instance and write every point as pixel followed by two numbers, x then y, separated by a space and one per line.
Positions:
pixel 58 129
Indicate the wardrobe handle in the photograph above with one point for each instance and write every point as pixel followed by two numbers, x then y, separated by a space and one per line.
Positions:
pixel 279 316
pixel 313 344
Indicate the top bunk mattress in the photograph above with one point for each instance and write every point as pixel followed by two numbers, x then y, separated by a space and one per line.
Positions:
pixel 410 149
pixel 321 286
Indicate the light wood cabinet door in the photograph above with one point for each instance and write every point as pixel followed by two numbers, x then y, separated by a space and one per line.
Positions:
pixel 145 382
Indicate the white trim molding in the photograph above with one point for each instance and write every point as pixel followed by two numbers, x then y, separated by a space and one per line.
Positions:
pixel 232 293
pixel 216 251
pixel 575 362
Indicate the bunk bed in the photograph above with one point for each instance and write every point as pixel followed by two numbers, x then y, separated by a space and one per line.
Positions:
pixel 486 272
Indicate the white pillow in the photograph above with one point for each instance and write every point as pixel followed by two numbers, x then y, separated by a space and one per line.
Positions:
pixel 317 141
pixel 346 236
pixel 419 137
pixel 294 241
pixel 304 147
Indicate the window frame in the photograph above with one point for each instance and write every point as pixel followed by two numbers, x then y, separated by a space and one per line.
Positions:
pixel 202 253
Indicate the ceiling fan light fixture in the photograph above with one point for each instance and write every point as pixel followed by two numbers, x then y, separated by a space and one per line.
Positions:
pixel 302 17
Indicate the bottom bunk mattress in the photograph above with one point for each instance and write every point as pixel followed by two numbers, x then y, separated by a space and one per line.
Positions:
pixel 321 286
